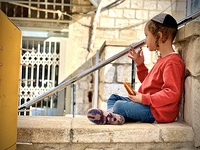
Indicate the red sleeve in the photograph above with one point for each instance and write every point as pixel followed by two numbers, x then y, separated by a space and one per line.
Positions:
pixel 142 72
pixel 171 89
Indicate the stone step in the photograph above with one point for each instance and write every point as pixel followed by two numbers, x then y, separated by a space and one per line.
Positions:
pixel 67 133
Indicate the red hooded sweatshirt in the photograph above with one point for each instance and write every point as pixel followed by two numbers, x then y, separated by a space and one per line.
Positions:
pixel 162 87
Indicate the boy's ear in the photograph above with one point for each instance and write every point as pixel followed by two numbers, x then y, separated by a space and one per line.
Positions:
pixel 160 35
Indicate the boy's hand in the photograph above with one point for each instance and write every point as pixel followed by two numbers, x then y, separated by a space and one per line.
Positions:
pixel 138 57
pixel 136 98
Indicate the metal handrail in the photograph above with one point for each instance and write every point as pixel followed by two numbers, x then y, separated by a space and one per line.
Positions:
pixel 64 84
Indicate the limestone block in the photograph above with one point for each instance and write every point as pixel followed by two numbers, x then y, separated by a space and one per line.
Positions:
pixel 121 23
pixel 107 34
pixel 181 6
pixel 127 34
pixel 188 42
pixel 137 132
pixel 150 5
pixel 124 60
pixel 82 109
pixel 109 73
pixel 124 73
pixel 24 135
pixel 124 5
pixel 83 85
pixel 192 103
pixel 104 13
pixel 137 4
pixel 140 32
pixel 86 132
pixel 116 13
pixel 192 60
pixel 175 132
pixel 141 14
pixel 191 29
pixel 84 20
pixel 43 130
pixel 91 133
pixel 139 26
pixel 111 51
pixel 107 2
pixel 189 101
pixel 129 13
pixel 107 22
pixel 153 13
pixel 179 15
pixel 48 135
pixel 163 4
pixel 106 90
pixel 80 96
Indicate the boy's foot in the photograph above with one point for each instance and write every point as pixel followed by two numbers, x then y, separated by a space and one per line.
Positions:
pixel 99 116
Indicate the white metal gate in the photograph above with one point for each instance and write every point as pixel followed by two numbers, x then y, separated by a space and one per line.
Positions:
pixel 39 73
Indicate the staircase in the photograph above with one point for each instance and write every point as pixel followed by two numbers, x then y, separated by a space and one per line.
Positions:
pixel 67 133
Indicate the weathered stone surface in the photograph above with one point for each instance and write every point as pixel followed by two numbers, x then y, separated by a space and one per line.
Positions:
pixel 116 13
pixel 109 73
pixel 191 29
pixel 107 22
pixel 80 134
pixel 129 13
pixel 188 43
pixel 136 133
pixel 150 5
pixel 192 103
pixel 111 51
pixel 106 35
pixel 43 129
pixel 175 132
pixel 192 60
pixel 86 132
pixel 106 89
pixel 124 73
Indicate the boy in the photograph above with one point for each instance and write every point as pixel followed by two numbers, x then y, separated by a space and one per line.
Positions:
pixel 158 96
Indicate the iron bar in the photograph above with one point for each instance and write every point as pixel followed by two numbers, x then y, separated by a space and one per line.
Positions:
pixel 74 99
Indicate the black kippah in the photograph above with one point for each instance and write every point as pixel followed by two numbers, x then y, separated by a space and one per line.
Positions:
pixel 166 20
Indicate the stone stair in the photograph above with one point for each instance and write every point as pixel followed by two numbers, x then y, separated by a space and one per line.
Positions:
pixel 67 133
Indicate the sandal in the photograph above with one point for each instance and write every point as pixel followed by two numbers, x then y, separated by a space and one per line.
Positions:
pixel 100 117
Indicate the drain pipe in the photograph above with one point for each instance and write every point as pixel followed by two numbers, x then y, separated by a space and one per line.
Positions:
pixel 74 99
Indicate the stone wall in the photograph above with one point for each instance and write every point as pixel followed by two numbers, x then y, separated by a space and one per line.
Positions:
pixel 188 43
pixel 121 24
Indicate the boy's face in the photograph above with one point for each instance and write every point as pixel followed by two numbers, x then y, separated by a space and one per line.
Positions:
pixel 150 39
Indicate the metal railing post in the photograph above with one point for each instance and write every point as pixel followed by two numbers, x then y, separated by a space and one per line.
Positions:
pixel 74 99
